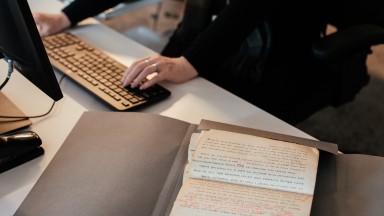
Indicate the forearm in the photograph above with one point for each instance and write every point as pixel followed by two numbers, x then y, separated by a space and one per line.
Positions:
pixel 82 9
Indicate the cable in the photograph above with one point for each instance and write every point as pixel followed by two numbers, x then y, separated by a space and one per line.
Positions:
pixel 35 116
pixel 10 70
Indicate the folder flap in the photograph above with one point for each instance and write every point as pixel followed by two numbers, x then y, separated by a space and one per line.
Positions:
pixel 325 146
pixel 112 163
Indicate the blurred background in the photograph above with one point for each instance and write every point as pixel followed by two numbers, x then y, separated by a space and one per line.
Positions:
pixel 357 127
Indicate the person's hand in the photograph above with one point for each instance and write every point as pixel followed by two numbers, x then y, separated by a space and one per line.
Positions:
pixel 176 70
pixel 49 24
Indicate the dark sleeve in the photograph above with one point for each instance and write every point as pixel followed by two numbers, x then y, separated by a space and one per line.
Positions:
pixel 82 9
pixel 225 35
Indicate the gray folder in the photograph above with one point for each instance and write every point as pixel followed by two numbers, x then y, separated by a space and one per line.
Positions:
pixel 113 163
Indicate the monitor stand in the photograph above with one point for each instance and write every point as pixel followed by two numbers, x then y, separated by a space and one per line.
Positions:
pixel 8 108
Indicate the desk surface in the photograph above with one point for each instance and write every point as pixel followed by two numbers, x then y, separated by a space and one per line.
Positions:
pixel 192 101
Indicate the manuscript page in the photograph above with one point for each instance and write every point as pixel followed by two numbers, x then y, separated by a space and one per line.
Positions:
pixel 255 161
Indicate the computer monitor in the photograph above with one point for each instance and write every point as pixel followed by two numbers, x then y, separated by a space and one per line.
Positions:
pixel 21 43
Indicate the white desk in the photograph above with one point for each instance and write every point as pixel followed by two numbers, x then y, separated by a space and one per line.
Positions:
pixel 192 101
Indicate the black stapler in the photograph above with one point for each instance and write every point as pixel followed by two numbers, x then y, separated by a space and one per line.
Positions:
pixel 17 148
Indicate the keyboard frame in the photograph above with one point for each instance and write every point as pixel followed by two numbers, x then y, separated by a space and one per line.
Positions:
pixel 97 90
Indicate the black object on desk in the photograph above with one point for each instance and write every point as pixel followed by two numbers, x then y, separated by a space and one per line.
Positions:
pixel 17 148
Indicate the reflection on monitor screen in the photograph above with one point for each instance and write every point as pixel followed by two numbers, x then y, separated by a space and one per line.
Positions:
pixel 22 48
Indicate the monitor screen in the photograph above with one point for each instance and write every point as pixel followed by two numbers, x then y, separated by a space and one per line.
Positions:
pixel 21 42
